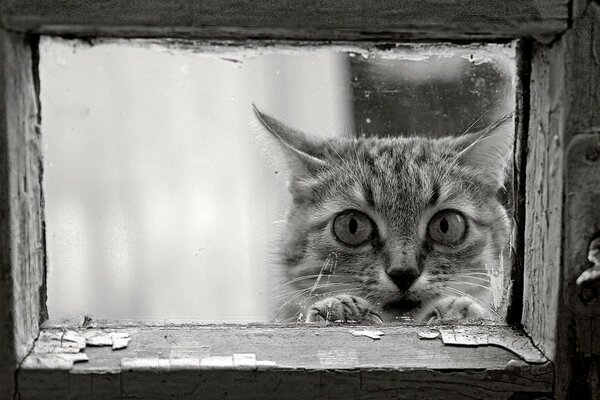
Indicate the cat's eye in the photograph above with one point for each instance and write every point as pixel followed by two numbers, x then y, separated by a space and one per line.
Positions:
pixel 448 227
pixel 353 228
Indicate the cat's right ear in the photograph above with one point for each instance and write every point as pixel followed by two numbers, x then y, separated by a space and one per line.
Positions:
pixel 300 154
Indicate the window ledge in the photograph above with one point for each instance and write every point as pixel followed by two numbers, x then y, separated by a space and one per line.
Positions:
pixel 269 361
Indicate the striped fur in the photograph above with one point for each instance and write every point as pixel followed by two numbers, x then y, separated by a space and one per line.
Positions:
pixel 400 184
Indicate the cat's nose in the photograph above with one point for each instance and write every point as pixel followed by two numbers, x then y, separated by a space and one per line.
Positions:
pixel 403 278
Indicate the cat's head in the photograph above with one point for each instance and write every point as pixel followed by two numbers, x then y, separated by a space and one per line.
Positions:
pixel 393 220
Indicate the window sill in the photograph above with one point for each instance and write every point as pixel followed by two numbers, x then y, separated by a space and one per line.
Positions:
pixel 268 361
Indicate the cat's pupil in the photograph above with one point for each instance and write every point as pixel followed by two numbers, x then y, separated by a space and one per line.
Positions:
pixel 353 226
pixel 444 225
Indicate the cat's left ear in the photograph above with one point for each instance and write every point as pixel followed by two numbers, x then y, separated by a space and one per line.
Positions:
pixel 301 154
pixel 489 151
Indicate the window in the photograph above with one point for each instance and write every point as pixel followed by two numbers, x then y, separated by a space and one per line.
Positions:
pixel 555 59
pixel 154 173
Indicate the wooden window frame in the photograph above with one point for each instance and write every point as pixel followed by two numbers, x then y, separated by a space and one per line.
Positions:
pixel 559 99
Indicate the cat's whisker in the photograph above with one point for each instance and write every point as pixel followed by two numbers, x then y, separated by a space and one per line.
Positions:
pixel 303 292
pixel 277 298
pixel 484 134
pixel 447 152
pixel 308 289
pixel 481 275
pixel 476 300
pixel 346 290
pixel 374 295
pixel 469 284
pixel 297 279
pixel 281 306
pixel 313 276
pixel 479 118
pixel 362 170
pixel 476 278
pixel 288 294
pixel 477 141
pixel 324 268
pixel 347 167
pixel 474 270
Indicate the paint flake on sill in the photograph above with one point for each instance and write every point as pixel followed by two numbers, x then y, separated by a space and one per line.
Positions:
pixel 375 335
pixel 60 349
pixel 116 340
pixel 429 335
pixel 518 343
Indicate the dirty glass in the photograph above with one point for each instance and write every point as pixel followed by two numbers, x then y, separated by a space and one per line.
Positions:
pixel 161 201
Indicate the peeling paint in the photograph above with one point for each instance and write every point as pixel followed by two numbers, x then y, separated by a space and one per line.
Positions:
pixel 241 51
pixel 428 335
pixel 375 335
pixel 338 358
pixel 520 345
pixel 117 340
pixel 60 349
pixel 217 362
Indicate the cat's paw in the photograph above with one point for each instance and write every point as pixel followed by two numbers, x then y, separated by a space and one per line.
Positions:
pixel 452 309
pixel 343 308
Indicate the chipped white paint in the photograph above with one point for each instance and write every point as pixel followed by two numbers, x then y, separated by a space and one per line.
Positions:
pixel 375 335
pixel 99 340
pixel 247 360
pixel 75 357
pixel 217 362
pixel 265 364
pixel 184 363
pixel 156 363
pixel 428 335
pixel 338 358
pixel 164 364
pixel 167 362
pixel 235 361
pixel 47 362
pixel 516 365
pixel 73 337
pixel 189 352
pixel 473 336
pixel 59 342
pixel 117 340
pixel 140 363
pixel 55 360
pixel 120 343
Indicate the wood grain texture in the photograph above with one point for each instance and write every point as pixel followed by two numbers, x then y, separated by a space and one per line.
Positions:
pixel 522 115
pixel 281 362
pixel 582 223
pixel 565 92
pixel 21 233
pixel 544 191
pixel 579 361
pixel 306 19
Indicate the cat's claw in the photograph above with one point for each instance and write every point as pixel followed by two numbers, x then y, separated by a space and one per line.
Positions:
pixel 342 308
pixel 452 309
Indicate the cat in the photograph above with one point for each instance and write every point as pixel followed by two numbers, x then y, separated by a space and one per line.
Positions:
pixel 380 228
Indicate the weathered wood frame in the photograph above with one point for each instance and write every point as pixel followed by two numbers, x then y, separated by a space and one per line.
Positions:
pixel 560 87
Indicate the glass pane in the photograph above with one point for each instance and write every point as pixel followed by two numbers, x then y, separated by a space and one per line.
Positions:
pixel 167 199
